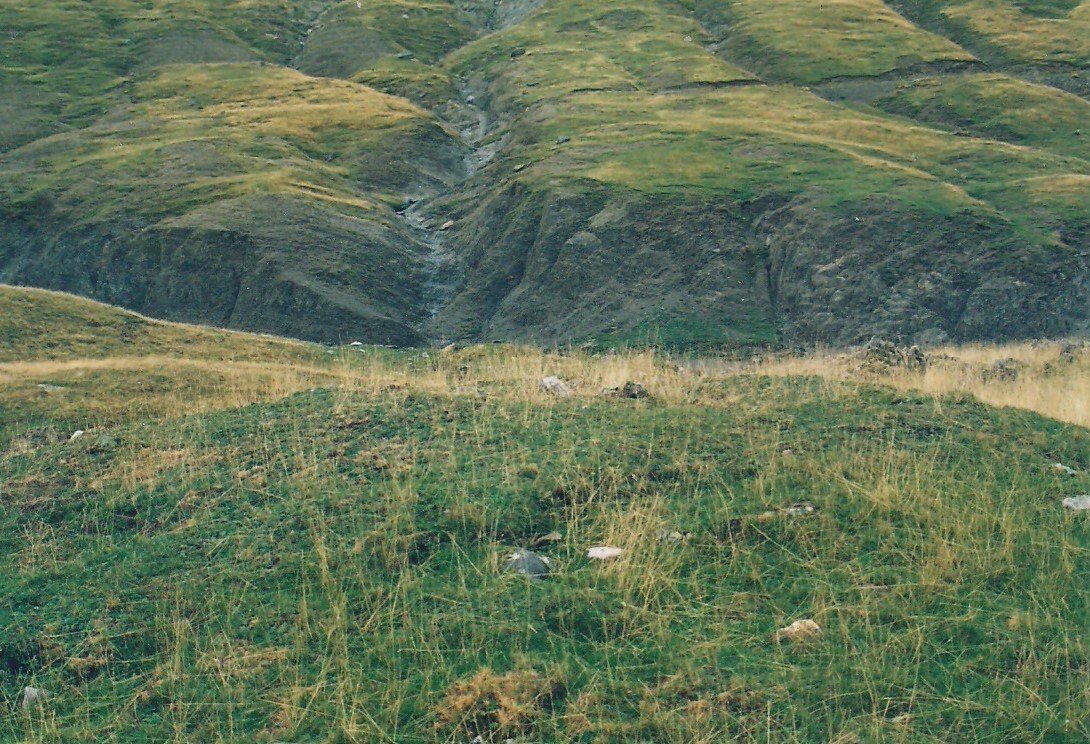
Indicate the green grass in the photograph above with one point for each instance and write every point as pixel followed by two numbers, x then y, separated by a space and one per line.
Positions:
pixel 325 566
pixel 579 45
pixel 999 107
pixel 351 38
pixel 1010 32
pixel 693 334
pixel 425 85
pixel 1023 37
pixel 76 53
pixel 760 141
pixel 203 133
pixel 806 42
pixel 567 73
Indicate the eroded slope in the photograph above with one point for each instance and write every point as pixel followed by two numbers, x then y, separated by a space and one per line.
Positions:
pixel 697 171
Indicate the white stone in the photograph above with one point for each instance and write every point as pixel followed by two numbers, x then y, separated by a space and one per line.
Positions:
pixel 555 386
pixel 799 631
pixel 32 697
pixel 1078 503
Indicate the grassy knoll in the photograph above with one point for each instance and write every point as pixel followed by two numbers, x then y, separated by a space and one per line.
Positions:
pixel 320 562
pixel 350 36
pixel 706 142
pixel 1009 32
pixel 41 326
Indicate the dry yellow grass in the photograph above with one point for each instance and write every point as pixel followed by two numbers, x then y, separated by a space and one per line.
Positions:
pixel 1050 378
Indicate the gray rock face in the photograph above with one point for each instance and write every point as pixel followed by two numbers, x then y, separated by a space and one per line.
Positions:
pixel 564 265
pixel 527 563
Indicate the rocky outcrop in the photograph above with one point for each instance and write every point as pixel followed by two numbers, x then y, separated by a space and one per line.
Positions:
pixel 278 266
pixel 563 265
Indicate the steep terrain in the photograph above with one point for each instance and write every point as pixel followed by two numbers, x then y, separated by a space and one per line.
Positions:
pixel 256 541
pixel 686 171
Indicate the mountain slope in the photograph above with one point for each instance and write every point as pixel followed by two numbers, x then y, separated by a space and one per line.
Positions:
pixel 690 170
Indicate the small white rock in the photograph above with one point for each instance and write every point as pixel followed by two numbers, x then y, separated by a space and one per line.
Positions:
pixel 447 225
pixel 1078 503
pixel 799 631
pixel 1064 469
pixel 604 553
pixel 356 343
pixel 32 697
pixel 555 386
pixel 76 435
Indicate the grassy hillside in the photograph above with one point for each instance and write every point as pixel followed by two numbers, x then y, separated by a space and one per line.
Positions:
pixel 413 170
pixel 317 555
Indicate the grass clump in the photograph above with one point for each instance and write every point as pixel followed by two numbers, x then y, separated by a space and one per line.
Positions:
pixel 492 706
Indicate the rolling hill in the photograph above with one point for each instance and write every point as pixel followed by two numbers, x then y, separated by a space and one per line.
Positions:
pixel 708 172
pixel 255 540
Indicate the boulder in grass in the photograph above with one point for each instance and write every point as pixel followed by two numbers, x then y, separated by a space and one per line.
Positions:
pixel 604 553
pixel 555 386
pixel 800 631
pixel 1077 503
pixel 527 563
